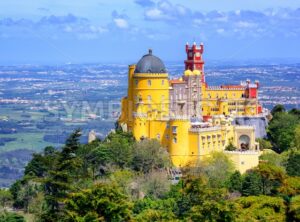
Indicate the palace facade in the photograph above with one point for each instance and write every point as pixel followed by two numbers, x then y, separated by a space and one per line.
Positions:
pixel 190 118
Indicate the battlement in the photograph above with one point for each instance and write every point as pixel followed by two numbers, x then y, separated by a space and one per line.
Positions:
pixel 225 88
pixel 194 48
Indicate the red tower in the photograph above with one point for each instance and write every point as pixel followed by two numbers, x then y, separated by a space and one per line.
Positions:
pixel 194 59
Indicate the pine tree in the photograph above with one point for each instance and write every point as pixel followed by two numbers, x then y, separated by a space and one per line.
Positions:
pixel 60 180
pixel 235 182
pixel 252 184
pixel 293 164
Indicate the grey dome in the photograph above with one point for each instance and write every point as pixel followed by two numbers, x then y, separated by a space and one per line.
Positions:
pixel 150 64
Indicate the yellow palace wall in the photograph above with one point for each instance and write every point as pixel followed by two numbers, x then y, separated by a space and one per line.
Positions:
pixel 224 101
pixel 145 113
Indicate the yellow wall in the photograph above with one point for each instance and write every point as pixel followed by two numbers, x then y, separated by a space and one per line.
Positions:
pixel 179 141
pixel 219 101
pixel 244 161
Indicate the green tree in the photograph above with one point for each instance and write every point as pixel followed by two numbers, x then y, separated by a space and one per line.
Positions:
pixel 290 186
pixel 123 179
pixel 90 159
pixel 60 180
pixel 294 210
pixel 271 177
pixel 264 144
pixel 281 130
pixel 23 191
pixel 11 217
pixel 148 209
pixel 41 163
pixel 295 112
pixel 252 184
pixel 218 168
pixel 156 184
pixel 148 155
pixel 293 164
pixel 230 147
pixel 104 202
pixel 206 204
pixel 214 208
pixel 15 189
pixel 278 109
pixel 150 215
pixel 296 140
pixel 261 208
pixel 274 158
pixel 120 147
pixel 5 198
pixel 235 182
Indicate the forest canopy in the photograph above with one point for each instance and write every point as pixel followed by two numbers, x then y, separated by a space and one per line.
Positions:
pixel 120 179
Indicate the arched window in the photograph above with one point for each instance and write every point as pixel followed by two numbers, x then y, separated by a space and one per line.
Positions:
pixel 149 82
pixel 174 140
pixel 244 142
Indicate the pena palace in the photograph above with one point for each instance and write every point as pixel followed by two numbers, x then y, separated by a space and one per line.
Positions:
pixel 189 117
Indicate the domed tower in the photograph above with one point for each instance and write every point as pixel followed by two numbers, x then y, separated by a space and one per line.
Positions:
pixel 150 91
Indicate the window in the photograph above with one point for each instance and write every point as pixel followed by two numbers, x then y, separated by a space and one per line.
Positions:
pixel 158 136
pixel 149 98
pixel 174 140
pixel 149 82
pixel 168 125
pixel 136 82
pixel 174 129
pixel 163 82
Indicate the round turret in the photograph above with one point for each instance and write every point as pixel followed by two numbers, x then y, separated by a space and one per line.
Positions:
pixel 150 64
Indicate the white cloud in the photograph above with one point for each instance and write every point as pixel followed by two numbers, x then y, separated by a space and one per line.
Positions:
pixel 68 28
pixel 158 36
pixel 154 14
pixel 198 22
pixel 243 24
pixel 97 29
pixel 121 23
pixel 220 31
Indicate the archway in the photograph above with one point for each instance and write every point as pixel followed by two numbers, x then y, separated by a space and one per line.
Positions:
pixel 244 142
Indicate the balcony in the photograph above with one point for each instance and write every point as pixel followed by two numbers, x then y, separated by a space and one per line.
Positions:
pixel 208 129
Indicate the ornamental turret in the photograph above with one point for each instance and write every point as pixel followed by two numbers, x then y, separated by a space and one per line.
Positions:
pixel 194 59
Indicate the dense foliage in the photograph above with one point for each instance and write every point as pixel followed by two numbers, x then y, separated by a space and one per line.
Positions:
pixel 120 179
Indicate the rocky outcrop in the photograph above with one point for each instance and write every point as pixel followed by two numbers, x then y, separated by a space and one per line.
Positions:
pixel 259 123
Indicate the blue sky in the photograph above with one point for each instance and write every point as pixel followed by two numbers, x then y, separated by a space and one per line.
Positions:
pixel 120 31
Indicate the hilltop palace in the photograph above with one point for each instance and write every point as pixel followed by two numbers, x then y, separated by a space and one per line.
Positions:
pixel 190 118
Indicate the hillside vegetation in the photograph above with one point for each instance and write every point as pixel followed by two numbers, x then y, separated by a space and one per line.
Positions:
pixel 120 179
